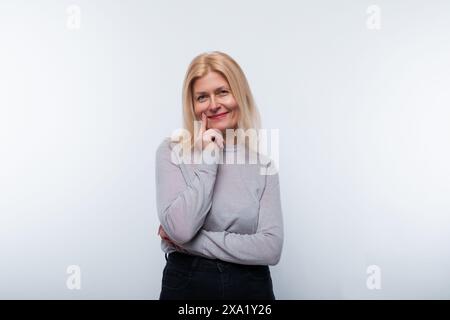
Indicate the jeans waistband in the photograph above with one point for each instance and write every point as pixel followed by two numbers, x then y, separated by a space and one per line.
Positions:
pixel 191 262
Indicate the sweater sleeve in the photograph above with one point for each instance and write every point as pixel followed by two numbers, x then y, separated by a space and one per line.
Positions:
pixel 183 199
pixel 262 248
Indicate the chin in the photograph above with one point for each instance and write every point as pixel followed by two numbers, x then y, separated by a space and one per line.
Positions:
pixel 222 127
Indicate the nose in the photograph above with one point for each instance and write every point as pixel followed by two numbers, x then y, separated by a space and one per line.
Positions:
pixel 213 105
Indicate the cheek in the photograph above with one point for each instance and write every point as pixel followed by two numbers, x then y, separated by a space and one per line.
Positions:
pixel 235 118
pixel 236 115
pixel 198 109
pixel 230 102
pixel 232 105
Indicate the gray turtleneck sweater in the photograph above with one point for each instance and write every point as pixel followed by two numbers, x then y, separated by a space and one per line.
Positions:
pixel 227 211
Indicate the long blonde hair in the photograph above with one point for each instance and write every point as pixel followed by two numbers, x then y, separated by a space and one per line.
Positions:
pixel 216 61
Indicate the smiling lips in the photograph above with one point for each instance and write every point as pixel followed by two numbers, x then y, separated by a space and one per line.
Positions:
pixel 219 116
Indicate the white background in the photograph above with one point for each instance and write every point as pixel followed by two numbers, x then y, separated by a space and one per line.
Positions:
pixel 364 128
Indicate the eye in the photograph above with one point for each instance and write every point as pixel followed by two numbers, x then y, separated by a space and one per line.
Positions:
pixel 199 98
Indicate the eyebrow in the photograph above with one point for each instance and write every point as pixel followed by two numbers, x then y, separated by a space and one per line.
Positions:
pixel 219 88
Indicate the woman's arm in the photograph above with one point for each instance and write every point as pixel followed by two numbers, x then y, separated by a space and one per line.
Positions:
pixel 262 248
pixel 182 201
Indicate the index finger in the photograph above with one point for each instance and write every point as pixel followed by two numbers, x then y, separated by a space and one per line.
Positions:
pixel 204 120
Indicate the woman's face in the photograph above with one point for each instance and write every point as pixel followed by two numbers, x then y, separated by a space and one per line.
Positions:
pixel 212 95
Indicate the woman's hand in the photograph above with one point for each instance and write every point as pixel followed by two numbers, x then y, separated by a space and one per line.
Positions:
pixel 165 237
pixel 205 137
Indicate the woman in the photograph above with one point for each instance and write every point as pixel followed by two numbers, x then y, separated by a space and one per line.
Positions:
pixel 221 223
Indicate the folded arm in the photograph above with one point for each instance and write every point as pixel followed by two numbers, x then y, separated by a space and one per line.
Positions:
pixel 262 248
pixel 183 201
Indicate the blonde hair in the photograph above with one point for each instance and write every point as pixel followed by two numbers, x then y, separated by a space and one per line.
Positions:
pixel 216 61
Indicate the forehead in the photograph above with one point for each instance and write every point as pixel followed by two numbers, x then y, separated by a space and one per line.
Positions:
pixel 210 82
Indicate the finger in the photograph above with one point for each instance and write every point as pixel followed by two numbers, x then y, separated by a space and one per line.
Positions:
pixel 219 141
pixel 204 122
pixel 161 231
pixel 217 137
pixel 214 135
pixel 165 237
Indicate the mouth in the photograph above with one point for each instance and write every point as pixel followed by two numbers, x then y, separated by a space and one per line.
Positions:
pixel 219 116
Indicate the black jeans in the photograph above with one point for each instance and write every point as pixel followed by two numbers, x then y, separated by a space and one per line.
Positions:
pixel 192 277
